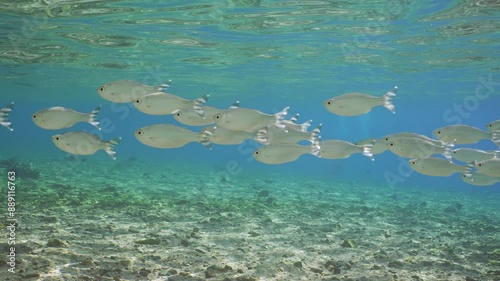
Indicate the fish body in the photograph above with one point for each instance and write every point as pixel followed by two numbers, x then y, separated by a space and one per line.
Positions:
pixel 464 134
pixel 418 148
pixel 4 116
pixel 378 145
pixel 223 136
pixel 479 179
pixel 190 117
pixel 83 143
pixel 284 152
pixel 339 149
pixel 161 103
pixel 291 124
pixel 59 117
pixel 249 120
pixel 353 104
pixel 490 167
pixel 437 167
pixel 169 136
pixel 123 91
pixel 468 155
pixel 406 135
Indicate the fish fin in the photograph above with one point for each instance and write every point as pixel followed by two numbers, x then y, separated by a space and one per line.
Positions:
pixel 263 136
pixel 205 139
pixel 4 116
pixel 93 117
pixel 198 105
pixel 388 99
pixel 164 86
pixel 110 147
pixel 294 118
pixel 304 126
pixel 315 133
pixel 468 169
pixel 236 104
pixel 316 147
pixel 495 137
pixel 279 118
pixel 367 150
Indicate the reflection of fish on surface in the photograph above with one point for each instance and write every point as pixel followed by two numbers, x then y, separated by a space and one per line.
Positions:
pixel 353 104
pixel 123 91
pixel 4 116
pixel 83 143
pixel 170 136
pixel 59 117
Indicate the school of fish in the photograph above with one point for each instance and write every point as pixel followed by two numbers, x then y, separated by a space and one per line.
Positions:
pixel 279 137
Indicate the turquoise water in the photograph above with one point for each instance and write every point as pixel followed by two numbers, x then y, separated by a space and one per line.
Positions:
pixel 442 55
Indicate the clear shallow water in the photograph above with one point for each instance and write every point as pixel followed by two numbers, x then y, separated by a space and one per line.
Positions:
pixel 266 54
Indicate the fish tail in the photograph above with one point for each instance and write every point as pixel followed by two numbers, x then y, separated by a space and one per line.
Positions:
pixel 468 169
pixel 294 118
pixel 315 133
pixel 447 151
pixel 279 118
pixel 93 117
pixel 304 126
pixel 110 147
pixel 367 151
pixel 388 99
pixel 495 137
pixel 205 136
pixel 236 104
pixel 198 105
pixel 4 116
pixel 263 136
pixel 164 86
pixel 316 147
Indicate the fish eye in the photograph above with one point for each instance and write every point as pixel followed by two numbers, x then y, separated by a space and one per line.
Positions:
pixel 178 113
pixel 454 152
pixel 386 138
pixel 480 164
pixel 413 162
pixel 139 132
pixel 438 132
pixel 138 101
pixel 329 102
pixel 58 138
pixel 101 89
pixel 256 152
pixel 217 116
pixel 34 116
pixel 391 144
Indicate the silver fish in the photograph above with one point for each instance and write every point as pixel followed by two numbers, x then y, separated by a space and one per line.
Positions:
pixel 493 126
pixel 170 136
pixel 378 145
pixel 353 104
pixel 285 152
pixel 163 103
pixel 190 117
pixel 339 149
pixel 83 143
pixel 249 120
pixel 223 136
pixel 479 179
pixel 418 148
pixel 58 117
pixel 437 167
pixel 123 91
pixel 463 134
pixel 490 167
pixel 468 155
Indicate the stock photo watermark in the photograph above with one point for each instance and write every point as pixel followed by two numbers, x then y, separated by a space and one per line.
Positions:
pixel 11 221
